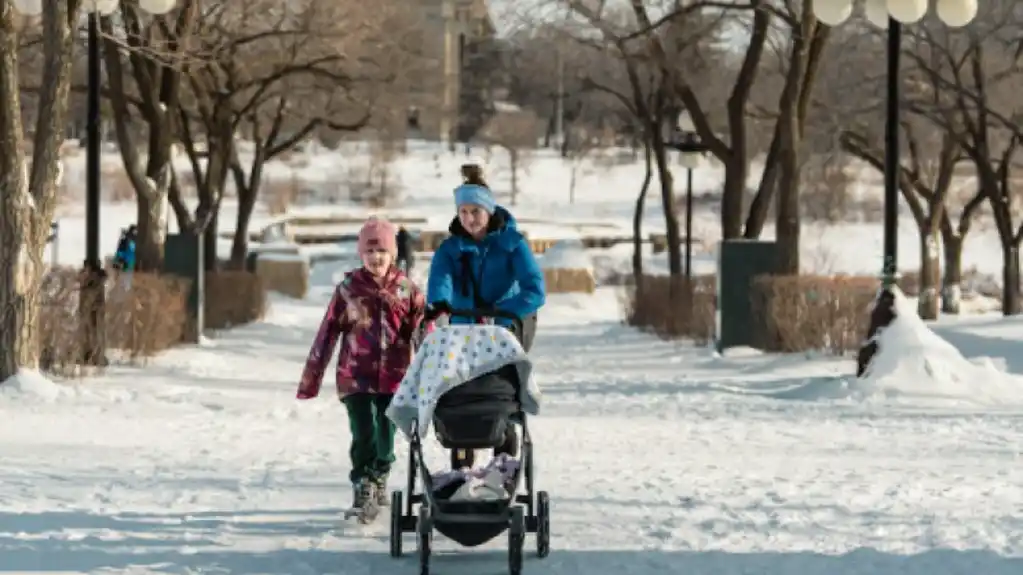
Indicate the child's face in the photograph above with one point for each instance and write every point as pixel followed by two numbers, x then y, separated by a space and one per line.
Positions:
pixel 377 261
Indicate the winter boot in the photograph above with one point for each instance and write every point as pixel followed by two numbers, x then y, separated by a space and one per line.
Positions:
pixel 383 498
pixel 362 494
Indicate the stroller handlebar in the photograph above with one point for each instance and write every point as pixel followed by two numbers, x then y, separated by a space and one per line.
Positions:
pixel 517 324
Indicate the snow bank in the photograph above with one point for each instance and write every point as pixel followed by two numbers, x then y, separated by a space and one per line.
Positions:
pixel 567 255
pixel 32 384
pixel 914 362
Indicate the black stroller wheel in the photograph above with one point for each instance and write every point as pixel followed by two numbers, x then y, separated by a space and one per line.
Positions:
pixel 424 537
pixel 516 540
pixel 396 533
pixel 543 524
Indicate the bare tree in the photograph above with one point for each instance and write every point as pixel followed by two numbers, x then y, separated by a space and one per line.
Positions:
pixel 28 189
pixel 583 146
pixel 145 58
pixel 967 82
pixel 517 132
pixel 279 73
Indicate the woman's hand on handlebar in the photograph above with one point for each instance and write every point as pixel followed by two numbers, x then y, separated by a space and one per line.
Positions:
pixel 437 309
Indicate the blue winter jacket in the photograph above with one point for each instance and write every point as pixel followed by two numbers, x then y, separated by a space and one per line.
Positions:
pixel 502 264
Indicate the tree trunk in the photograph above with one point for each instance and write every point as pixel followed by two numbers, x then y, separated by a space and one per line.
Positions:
pixel 21 266
pixel 28 196
pixel 571 182
pixel 787 215
pixel 1010 281
pixel 761 206
pixel 930 274
pixel 247 192
pixel 152 230
pixel 733 195
pixel 674 237
pixel 952 280
pixel 211 259
pixel 637 219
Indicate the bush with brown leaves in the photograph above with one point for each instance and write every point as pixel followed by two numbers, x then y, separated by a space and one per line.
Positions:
pixel 233 298
pixel 670 311
pixel 804 313
pixel 569 280
pixel 148 315
pixel 140 320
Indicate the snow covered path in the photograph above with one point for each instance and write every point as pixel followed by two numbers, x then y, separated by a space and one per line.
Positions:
pixel 659 459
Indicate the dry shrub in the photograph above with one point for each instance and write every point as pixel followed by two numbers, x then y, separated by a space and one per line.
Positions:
pixel 141 320
pixel 653 305
pixel 541 246
pixel 147 316
pixel 804 313
pixel 233 298
pixel 287 274
pixel 58 321
pixel 566 280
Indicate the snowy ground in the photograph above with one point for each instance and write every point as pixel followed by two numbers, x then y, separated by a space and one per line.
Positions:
pixel 660 458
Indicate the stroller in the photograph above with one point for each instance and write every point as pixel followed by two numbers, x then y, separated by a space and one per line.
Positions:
pixel 475 414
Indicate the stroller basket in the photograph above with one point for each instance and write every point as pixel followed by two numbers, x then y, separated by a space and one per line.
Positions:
pixel 493 518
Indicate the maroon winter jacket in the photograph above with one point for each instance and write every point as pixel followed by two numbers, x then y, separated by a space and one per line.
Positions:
pixel 377 320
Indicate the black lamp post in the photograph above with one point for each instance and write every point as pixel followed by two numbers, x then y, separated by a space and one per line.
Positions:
pixel 685 139
pixel 891 14
pixel 92 302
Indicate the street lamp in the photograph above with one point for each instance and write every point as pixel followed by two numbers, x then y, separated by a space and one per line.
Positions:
pixel 891 14
pixel 92 299
pixel 687 142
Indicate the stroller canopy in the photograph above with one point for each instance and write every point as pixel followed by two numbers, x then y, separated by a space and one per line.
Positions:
pixel 451 356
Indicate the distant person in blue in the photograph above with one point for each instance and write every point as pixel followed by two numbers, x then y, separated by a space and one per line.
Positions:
pixel 486 263
pixel 124 257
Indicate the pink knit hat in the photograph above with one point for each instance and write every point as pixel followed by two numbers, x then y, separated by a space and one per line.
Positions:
pixel 378 233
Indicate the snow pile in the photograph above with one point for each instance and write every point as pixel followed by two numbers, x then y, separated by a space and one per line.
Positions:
pixel 32 384
pixel 914 362
pixel 566 255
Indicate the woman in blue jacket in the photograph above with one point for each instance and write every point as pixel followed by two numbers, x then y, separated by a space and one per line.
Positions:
pixel 486 263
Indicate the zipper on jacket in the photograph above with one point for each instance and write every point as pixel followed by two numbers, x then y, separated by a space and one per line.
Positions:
pixel 479 286
pixel 383 342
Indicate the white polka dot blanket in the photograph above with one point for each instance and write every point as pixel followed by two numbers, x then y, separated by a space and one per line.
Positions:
pixel 451 356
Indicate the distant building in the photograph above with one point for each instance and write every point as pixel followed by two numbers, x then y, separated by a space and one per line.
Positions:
pixel 455 101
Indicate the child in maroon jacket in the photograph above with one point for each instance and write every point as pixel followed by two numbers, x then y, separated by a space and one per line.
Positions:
pixel 377 309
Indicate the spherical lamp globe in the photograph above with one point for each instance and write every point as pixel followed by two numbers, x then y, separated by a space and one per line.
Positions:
pixel 907 11
pixel 157 7
pixel 832 12
pixel 957 13
pixel 876 12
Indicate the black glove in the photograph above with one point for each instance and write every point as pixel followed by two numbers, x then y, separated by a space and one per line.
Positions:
pixel 436 309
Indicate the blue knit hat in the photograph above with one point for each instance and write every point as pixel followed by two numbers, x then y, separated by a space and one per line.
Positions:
pixel 477 195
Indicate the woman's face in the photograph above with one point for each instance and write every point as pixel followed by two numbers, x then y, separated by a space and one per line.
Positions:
pixel 377 261
pixel 474 219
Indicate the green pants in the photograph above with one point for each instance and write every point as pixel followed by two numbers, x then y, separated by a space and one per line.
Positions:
pixel 372 449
